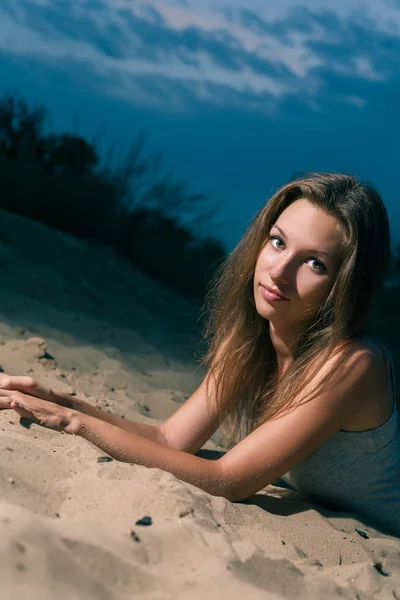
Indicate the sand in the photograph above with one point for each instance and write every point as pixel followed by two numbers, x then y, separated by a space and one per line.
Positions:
pixel 84 321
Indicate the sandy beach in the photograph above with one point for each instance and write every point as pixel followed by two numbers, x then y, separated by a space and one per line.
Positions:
pixel 74 525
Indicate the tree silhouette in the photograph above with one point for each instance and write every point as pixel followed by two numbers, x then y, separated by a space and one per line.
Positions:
pixel 60 181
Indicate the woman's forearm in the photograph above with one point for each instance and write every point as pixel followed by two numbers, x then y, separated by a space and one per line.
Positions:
pixel 129 447
pixel 151 432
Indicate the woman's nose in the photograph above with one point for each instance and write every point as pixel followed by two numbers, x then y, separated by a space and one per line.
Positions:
pixel 280 271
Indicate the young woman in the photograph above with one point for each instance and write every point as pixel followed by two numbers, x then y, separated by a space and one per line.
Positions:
pixel 302 396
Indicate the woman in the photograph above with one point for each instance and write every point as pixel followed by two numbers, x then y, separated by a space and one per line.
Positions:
pixel 302 396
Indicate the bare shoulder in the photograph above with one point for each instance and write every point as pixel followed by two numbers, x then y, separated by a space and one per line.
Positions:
pixel 366 360
pixel 357 356
pixel 372 400
pixel 366 350
pixel 362 350
pixel 347 378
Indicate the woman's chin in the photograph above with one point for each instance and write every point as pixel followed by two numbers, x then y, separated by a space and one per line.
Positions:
pixel 265 311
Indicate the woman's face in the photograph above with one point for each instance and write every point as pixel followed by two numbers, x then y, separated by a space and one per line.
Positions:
pixel 299 260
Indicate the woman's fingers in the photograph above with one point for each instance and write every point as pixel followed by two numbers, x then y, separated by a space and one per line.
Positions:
pixel 26 385
pixel 5 402
pixel 42 412
pixel 8 381
pixel 28 407
pixel 6 398
pixel 23 412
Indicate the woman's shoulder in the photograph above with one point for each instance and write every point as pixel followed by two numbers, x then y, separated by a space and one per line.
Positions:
pixel 361 345
pixel 359 361
pixel 374 403
pixel 378 353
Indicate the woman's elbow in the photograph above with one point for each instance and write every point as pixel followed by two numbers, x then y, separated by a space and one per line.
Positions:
pixel 239 491
pixel 232 490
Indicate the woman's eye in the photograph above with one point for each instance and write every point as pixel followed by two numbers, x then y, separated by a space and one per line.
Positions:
pixel 320 266
pixel 274 237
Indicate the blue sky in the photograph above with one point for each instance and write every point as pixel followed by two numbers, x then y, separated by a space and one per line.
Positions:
pixel 239 95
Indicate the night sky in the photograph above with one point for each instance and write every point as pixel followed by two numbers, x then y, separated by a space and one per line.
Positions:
pixel 239 95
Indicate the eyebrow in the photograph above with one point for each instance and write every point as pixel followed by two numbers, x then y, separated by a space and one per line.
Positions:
pixel 314 250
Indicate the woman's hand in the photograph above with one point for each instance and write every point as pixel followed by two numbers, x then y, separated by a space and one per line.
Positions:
pixel 9 385
pixel 44 413
pixel 27 385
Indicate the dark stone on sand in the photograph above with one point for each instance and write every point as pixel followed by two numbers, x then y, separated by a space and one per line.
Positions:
pixel 134 536
pixel 362 533
pixel 102 459
pixel 379 568
pixel 318 563
pixel 144 521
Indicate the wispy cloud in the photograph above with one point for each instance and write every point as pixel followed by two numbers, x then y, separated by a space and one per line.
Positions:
pixel 167 53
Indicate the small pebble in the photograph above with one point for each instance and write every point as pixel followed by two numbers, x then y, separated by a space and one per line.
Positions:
pixel 362 533
pixel 379 568
pixel 102 459
pixel 144 521
pixel 11 480
pixel 319 563
pixel 134 536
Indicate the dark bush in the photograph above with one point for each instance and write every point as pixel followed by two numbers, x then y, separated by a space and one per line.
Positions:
pixel 60 181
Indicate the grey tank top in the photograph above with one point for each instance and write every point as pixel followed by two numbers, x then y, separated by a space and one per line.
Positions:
pixel 356 471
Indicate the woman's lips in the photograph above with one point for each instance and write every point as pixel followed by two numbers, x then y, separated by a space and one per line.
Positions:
pixel 269 295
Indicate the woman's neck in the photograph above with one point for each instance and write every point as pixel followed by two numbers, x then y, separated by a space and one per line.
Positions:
pixel 285 343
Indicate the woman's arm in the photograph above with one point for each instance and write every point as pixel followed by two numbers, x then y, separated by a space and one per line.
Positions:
pixel 31 387
pixel 129 447
pixel 150 432
pixel 120 444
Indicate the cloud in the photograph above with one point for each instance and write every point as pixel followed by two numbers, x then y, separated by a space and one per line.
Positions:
pixel 168 52
pixel 241 99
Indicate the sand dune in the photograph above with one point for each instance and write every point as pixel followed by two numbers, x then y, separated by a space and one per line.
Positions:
pixel 84 321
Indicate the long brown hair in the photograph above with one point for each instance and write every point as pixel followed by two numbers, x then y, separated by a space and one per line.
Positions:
pixel 241 358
